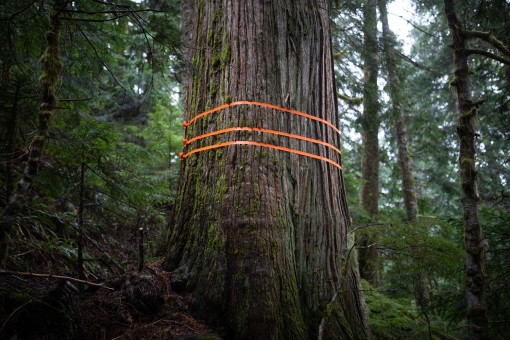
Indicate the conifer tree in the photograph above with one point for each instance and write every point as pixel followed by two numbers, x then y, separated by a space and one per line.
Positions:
pixel 259 236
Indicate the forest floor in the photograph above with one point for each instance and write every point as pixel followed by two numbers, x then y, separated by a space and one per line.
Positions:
pixel 130 305
pixel 137 306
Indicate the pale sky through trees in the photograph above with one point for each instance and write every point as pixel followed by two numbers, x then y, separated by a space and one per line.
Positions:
pixel 398 12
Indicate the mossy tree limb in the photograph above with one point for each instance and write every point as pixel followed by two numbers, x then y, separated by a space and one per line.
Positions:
pixel 51 66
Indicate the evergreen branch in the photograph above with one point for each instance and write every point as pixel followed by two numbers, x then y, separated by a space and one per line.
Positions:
pixel 110 4
pixel 350 100
pixel 489 38
pixel 99 58
pixel 370 226
pixel 142 23
pixel 489 55
pixel 414 25
pixel 11 45
pixel 128 11
pixel 95 20
pixel 414 63
pixel 117 199
pixel 19 12
pixel 75 99
pixel 138 19
pixel 57 277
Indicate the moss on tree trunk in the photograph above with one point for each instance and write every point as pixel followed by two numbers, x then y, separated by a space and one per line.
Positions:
pixel 51 66
pixel 258 234
pixel 474 261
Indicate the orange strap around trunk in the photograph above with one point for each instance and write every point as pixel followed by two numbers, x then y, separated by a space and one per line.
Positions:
pixel 270 106
pixel 271 146
pixel 279 133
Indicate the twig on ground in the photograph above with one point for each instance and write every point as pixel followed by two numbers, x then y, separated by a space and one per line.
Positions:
pixel 58 277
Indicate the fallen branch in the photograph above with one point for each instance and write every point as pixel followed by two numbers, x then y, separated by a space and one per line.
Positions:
pixel 13 313
pixel 57 277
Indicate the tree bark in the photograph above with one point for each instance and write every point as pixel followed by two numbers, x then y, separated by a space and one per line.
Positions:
pixel 10 126
pixel 408 189
pixel 474 261
pixel 258 234
pixel 51 65
pixel 507 78
pixel 81 212
pixel 369 139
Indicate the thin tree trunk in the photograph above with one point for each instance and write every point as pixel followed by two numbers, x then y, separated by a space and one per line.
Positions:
pixel 51 66
pixel 50 62
pixel 141 252
pixel 187 36
pixel 370 143
pixel 258 234
pixel 11 131
pixel 81 212
pixel 474 262
pixel 506 9
pixel 507 78
pixel 408 188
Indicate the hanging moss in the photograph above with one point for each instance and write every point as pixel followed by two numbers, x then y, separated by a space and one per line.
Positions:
pixel 454 82
pixel 467 162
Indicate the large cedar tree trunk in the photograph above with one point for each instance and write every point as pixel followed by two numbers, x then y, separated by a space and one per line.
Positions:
pixel 474 261
pixel 258 235
pixel 370 143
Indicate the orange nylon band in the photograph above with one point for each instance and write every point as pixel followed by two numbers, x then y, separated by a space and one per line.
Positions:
pixel 275 132
pixel 270 106
pixel 271 146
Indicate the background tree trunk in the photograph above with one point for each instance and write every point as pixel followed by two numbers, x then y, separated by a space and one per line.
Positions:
pixel 51 65
pixel 10 122
pixel 408 188
pixel 370 143
pixel 474 263
pixel 258 234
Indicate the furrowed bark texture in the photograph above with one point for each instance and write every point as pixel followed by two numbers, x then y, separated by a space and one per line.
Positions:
pixel 258 234
pixel 474 262
pixel 51 65
pixel 369 139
